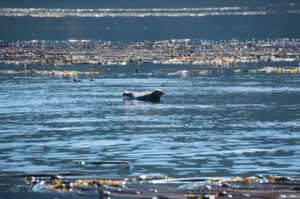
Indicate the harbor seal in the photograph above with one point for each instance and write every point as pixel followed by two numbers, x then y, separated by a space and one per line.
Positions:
pixel 76 80
pixel 153 96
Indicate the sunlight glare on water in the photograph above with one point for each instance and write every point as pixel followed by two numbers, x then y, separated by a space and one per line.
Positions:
pixel 208 126
pixel 221 116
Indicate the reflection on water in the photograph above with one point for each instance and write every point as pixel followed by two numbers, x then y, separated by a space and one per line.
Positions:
pixel 243 120
pixel 209 125
pixel 260 9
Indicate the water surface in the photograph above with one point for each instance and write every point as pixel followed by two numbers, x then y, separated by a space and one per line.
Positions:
pixel 218 124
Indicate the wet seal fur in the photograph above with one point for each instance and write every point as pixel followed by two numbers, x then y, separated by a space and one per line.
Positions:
pixel 153 96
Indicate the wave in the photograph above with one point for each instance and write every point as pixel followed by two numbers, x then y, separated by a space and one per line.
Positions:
pixel 150 12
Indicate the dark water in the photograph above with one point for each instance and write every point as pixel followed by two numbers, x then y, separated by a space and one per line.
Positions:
pixel 258 20
pixel 219 124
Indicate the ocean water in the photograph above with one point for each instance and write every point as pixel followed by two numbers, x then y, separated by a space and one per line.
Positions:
pixel 210 125
pixel 215 20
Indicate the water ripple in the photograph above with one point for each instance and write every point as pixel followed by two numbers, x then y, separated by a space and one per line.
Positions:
pixel 234 126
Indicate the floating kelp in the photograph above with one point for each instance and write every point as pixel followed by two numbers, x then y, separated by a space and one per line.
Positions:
pixel 166 187
pixel 185 51
pixel 265 69
pixel 178 73
pixel 270 69
pixel 51 72
pixel 184 73
pixel 144 186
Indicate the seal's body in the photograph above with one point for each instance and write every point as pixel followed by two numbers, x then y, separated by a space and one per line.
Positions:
pixel 153 96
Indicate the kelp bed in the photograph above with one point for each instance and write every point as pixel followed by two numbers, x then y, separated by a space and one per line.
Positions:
pixel 175 51
pixel 264 187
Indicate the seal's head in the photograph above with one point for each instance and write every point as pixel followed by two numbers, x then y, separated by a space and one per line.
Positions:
pixel 158 92
pixel 155 95
pixel 128 94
